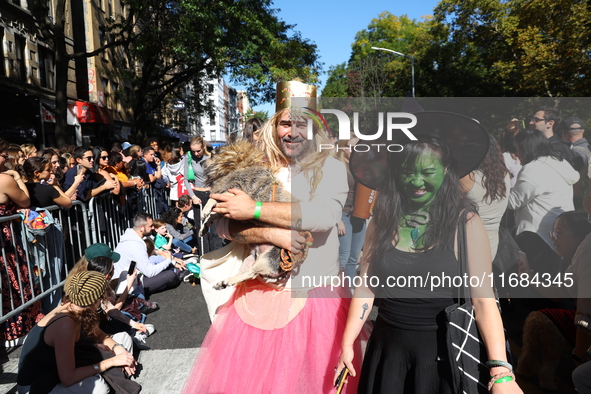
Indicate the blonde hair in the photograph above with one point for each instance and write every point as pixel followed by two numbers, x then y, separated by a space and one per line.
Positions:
pixel 270 143
pixel 28 149
pixel 134 151
pixel 199 140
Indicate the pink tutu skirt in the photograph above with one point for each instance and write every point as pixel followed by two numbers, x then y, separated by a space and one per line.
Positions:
pixel 299 358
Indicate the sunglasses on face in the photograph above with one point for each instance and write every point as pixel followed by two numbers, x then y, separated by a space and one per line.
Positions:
pixel 104 157
pixel 88 158
pixel 5 156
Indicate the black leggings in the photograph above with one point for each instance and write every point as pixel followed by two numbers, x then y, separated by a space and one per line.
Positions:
pixel 165 280
pixel 405 361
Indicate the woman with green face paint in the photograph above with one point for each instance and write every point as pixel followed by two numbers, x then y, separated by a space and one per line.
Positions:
pixel 413 235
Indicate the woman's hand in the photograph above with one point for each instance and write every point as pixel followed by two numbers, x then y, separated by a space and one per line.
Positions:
pixel 131 279
pixel 342 229
pixel 139 326
pixel 345 360
pixel 79 178
pixel 196 200
pixel 124 359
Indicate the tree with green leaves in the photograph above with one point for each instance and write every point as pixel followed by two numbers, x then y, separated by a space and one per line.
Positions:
pixel 371 72
pixel 172 49
pixel 181 45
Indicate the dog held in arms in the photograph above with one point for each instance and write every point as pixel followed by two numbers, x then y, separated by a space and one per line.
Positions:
pixel 240 166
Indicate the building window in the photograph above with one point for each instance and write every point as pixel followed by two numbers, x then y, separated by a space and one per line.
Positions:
pixel 2 58
pixel 114 100
pixel 19 66
pixel 46 70
pixel 17 2
pixel 33 56
pixel 212 119
pixel 104 101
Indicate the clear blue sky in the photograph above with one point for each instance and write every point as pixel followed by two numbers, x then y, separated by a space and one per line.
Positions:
pixel 332 24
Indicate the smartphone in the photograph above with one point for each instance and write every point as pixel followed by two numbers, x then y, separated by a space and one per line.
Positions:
pixel 79 169
pixel 341 380
pixel 131 268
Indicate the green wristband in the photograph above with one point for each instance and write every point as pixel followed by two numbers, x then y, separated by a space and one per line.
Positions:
pixel 257 210
pixel 504 379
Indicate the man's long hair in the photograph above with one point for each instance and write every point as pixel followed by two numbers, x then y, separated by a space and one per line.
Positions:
pixel 271 144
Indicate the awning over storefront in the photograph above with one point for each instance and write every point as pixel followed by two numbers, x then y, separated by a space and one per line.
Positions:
pixel 92 113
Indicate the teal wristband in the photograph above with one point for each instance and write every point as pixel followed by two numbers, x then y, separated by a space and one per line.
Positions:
pixel 257 210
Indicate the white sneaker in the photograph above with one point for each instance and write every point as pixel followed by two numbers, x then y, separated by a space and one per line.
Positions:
pixel 150 328
pixel 141 336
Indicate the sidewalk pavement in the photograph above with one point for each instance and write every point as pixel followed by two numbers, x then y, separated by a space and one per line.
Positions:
pixel 181 324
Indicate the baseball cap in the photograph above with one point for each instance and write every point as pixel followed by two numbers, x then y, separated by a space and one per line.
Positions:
pixel 101 250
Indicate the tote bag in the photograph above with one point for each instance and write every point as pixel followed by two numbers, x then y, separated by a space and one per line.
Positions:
pixel 465 348
pixel 217 266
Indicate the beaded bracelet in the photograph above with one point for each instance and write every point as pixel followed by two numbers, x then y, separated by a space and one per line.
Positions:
pixel 500 378
pixel 257 210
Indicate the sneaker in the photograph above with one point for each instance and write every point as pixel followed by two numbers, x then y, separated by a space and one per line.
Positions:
pixel 150 328
pixel 145 309
pixel 139 345
pixel 141 336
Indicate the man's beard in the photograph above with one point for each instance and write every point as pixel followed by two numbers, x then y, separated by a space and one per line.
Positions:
pixel 299 150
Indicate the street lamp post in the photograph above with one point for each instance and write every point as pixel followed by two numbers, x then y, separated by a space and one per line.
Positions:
pixel 412 62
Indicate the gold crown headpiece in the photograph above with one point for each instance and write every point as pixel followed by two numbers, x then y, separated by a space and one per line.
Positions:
pixel 295 95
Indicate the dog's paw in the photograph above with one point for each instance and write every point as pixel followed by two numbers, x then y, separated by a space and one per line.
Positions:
pixel 221 285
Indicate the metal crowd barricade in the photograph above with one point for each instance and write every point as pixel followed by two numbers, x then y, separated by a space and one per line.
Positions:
pixel 111 215
pixel 48 257
pixel 108 219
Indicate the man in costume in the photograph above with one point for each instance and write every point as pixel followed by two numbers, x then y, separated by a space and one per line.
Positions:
pixel 283 337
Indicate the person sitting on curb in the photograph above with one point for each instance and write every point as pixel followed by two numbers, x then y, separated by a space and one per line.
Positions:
pixel 49 359
pixel 131 247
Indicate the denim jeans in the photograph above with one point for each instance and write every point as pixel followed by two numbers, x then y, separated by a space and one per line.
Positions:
pixel 183 245
pixel 351 243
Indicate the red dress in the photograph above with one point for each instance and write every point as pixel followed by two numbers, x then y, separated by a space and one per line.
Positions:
pixel 13 264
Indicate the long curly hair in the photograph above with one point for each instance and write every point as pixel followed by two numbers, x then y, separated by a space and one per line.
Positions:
pixel 493 172
pixel 392 205
pixel 271 144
